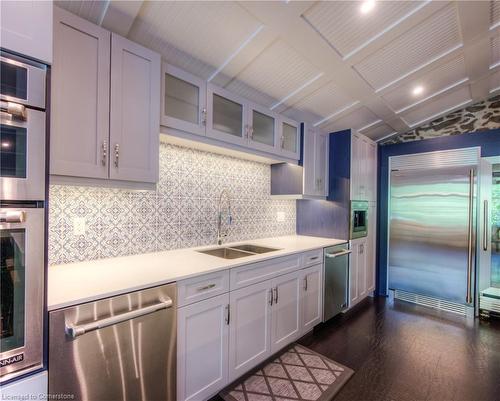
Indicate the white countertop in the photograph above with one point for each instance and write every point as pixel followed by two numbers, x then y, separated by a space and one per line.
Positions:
pixel 75 283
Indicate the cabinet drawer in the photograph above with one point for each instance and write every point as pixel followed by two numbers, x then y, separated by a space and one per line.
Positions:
pixel 265 270
pixel 313 257
pixel 198 288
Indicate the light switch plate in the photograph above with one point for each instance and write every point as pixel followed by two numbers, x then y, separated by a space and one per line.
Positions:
pixel 79 226
pixel 280 217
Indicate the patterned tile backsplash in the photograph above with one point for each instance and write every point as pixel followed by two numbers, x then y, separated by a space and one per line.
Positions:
pixel 181 213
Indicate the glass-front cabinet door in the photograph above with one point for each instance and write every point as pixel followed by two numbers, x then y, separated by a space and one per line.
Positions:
pixel 289 143
pixel 226 116
pixel 262 128
pixel 183 101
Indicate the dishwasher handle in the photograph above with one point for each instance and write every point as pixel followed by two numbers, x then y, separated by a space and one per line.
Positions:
pixel 337 254
pixel 75 331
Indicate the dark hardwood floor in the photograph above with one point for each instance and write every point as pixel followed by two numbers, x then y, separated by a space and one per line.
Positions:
pixel 405 352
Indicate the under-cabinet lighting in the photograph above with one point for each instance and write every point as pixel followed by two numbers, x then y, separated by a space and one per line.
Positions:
pixel 5 145
pixel 336 113
pixel 439 92
pixel 236 52
pixel 420 67
pixel 297 90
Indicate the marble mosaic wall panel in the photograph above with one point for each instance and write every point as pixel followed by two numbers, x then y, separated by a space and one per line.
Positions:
pixel 181 213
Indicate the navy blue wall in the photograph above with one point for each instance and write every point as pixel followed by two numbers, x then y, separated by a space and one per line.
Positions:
pixel 489 141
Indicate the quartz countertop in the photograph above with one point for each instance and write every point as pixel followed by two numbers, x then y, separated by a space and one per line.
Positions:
pixel 76 283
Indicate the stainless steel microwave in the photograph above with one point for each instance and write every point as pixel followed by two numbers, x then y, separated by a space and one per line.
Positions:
pixel 359 219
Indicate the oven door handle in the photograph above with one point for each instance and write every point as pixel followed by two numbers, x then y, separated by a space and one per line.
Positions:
pixel 75 331
pixel 14 109
pixel 17 216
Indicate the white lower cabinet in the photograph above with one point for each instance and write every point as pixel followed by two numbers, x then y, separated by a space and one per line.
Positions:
pixel 361 270
pixel 249 328
pixel 202 348
pixel 311 297
pixel 223 337
pixel 286 310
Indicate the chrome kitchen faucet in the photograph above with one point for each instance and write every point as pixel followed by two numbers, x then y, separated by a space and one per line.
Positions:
pixel 224 196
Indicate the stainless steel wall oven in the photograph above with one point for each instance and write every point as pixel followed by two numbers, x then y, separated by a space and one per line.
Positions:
pixel 22 214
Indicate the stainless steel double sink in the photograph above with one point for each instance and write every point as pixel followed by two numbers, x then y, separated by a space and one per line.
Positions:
pixel 238 251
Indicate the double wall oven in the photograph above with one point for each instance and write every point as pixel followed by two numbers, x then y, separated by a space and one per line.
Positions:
pixel 22 214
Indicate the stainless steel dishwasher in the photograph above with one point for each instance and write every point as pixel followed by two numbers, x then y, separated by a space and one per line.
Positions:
pixel 120 348
pixel 336 293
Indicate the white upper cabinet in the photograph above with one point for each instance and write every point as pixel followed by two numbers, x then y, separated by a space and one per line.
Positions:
pixel 135 111
pixel 289 141
pixel 105 104
pixel 315 162
pixel 363 168
pixel 226 116
pixel 262 128
pixel 26 28
pixel 79 143
pixel 184 100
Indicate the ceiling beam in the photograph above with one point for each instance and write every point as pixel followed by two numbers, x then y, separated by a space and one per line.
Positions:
pixel 120 15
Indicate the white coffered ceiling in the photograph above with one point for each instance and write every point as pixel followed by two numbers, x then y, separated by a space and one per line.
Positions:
pixel 388 69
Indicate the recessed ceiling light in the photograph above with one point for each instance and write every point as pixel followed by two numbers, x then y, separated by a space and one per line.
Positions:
pixel 367 6
pixel 418 90
pixel 5 145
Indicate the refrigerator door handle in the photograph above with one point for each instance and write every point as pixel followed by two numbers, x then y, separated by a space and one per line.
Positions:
pixel 468 298
pixel 485 225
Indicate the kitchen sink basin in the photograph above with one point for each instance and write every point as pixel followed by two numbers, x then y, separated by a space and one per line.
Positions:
pixel 254 248
pixel 238 251
pixel 226 253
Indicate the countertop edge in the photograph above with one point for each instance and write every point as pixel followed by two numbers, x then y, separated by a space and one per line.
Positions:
pixel 177 278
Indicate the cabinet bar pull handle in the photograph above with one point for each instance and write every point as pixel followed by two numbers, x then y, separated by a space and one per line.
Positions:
pixel 276 295
pixel 228 314
pixel 314 258
pixel 117 154
pixel 305 283
pixel 485 226
pixel 468 298
pixel 337 254
pixel 104 158
pixel 271 297
pixel 205 287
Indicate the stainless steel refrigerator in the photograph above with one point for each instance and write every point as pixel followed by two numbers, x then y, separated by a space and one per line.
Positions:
pixel 432 228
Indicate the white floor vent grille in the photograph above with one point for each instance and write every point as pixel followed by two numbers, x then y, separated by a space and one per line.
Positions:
pixel 431 302
pixel 489 300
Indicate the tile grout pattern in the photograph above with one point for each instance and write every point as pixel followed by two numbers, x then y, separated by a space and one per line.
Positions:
pixel 181 213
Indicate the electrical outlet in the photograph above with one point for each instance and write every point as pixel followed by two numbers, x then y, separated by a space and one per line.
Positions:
pixel 280 217
pixel 79 226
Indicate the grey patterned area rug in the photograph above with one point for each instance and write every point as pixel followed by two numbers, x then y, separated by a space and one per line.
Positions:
pixel 297 373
